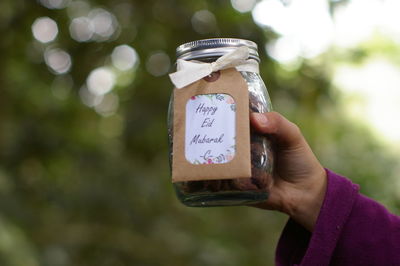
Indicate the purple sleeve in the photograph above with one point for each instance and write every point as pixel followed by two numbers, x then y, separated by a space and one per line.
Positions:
pixel 351 230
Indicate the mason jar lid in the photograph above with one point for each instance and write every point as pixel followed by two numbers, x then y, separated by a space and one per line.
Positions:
pixel 217 47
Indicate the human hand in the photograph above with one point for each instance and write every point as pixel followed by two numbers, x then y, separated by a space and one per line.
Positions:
pixel 299 180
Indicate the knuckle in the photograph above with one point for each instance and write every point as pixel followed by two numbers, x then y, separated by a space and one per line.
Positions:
pixel 295 128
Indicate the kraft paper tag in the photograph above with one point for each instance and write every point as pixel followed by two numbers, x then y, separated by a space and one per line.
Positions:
pixel 211 129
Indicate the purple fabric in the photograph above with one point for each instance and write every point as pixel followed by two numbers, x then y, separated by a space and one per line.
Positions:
pixel 351 230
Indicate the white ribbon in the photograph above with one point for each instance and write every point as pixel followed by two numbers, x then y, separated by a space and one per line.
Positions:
pixel 190 71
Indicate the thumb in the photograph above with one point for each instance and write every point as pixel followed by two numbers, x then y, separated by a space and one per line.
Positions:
pixel 285 133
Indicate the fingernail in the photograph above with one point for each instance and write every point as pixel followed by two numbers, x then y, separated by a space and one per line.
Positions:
pixel 261 119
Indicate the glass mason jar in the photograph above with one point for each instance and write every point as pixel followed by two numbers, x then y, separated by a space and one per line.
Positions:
pixel 239 191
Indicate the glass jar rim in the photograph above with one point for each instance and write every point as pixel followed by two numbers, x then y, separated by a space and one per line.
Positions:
pixel 215 47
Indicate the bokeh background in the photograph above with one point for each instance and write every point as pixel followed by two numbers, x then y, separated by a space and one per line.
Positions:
pixel 84 175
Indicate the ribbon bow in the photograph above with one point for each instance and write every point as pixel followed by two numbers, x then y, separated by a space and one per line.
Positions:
pixel 189 71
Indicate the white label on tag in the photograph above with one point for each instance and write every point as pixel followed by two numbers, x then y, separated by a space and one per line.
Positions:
pixel 210 129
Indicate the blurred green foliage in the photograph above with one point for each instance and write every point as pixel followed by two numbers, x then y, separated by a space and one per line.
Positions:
pixel 78 187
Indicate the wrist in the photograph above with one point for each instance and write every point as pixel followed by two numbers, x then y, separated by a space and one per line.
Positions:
pixel 303 202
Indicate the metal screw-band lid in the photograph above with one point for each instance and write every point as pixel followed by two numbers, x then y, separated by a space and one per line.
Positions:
pixel 210 48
